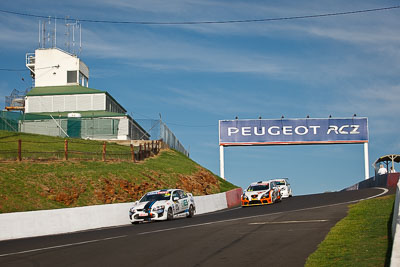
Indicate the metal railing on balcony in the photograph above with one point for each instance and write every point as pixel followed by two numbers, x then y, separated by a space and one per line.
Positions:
pixel 30 58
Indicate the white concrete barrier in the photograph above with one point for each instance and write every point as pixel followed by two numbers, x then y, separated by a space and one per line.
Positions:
pixel 210 203
pixel 49 222
pixel 395 259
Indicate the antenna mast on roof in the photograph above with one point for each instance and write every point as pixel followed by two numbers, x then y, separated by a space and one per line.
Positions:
pixel 47 37
pixel 70 30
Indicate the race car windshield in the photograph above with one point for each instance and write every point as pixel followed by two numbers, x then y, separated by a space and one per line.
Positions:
pixel 258 187
pixel 280 182
pixel 155 197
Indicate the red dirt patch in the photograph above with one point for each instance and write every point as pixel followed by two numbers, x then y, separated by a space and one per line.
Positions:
pixel 115 190
pixel 68 195
pixel 200 183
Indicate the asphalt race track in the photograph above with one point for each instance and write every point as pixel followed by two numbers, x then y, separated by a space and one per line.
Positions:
pixel 282 234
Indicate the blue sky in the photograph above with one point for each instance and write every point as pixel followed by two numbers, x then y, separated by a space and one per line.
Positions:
pixel 195 75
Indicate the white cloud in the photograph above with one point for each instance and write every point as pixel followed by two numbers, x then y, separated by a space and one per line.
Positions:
pixel 380 103
pixel 17 33
pixel 227 101
pixel 163 53
pixel 148 48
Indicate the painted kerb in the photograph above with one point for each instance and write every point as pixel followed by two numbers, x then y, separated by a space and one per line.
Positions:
pixel 49 222
pixel 395 260
pixel 233 197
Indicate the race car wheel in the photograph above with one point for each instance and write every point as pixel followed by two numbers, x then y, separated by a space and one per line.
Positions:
pixel 191 212
pixel 170 214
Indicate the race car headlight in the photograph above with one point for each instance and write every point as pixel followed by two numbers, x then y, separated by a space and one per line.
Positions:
pixel 265 195
pixel 159 208
pixel 283 189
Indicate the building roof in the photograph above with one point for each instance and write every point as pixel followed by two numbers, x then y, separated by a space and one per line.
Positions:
pixel 63 90
pixel 392 157
pixel 63 115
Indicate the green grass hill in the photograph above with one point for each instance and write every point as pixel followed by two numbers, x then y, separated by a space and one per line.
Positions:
pixel 47 182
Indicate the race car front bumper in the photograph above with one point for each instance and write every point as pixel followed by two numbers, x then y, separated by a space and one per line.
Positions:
pixel 256 202
pixel 142 216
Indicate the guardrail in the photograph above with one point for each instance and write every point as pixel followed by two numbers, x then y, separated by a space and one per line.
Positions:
pixel 49 222
pixel 385 180
pixel 395 259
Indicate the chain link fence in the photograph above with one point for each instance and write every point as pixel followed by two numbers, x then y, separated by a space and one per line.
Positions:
pixel 9 121
pixel 158 130
pixel 87 128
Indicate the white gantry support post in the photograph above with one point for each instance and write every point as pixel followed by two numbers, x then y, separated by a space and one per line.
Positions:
pixel 221 162
pixel 366 161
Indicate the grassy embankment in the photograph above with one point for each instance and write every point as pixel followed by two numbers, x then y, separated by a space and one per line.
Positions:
pixel 50 184
pixel 362 238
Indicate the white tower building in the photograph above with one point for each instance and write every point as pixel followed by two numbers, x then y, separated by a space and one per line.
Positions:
pixel 55 67
pixel 62 104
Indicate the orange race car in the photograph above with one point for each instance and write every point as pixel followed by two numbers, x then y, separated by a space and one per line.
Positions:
pixel 261 193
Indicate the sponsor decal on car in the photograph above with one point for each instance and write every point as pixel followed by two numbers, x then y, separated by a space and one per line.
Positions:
pixel 157 205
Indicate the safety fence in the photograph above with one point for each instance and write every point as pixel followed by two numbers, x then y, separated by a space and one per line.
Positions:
pixel 160 131
pixel 67 149
pixel 91 126
pixel 9 121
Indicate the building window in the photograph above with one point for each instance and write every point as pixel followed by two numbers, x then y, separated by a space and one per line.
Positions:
pixel 72 76
pixel 83 80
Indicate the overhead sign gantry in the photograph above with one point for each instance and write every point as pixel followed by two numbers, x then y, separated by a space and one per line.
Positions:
pixel 293 132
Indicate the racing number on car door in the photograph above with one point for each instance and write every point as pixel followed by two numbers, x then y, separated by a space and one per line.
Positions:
pixel 183 201
pixel 176 204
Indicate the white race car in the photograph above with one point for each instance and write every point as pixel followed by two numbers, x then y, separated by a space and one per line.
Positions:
pixel 284 186
pixel 161 205
pixel 261 193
